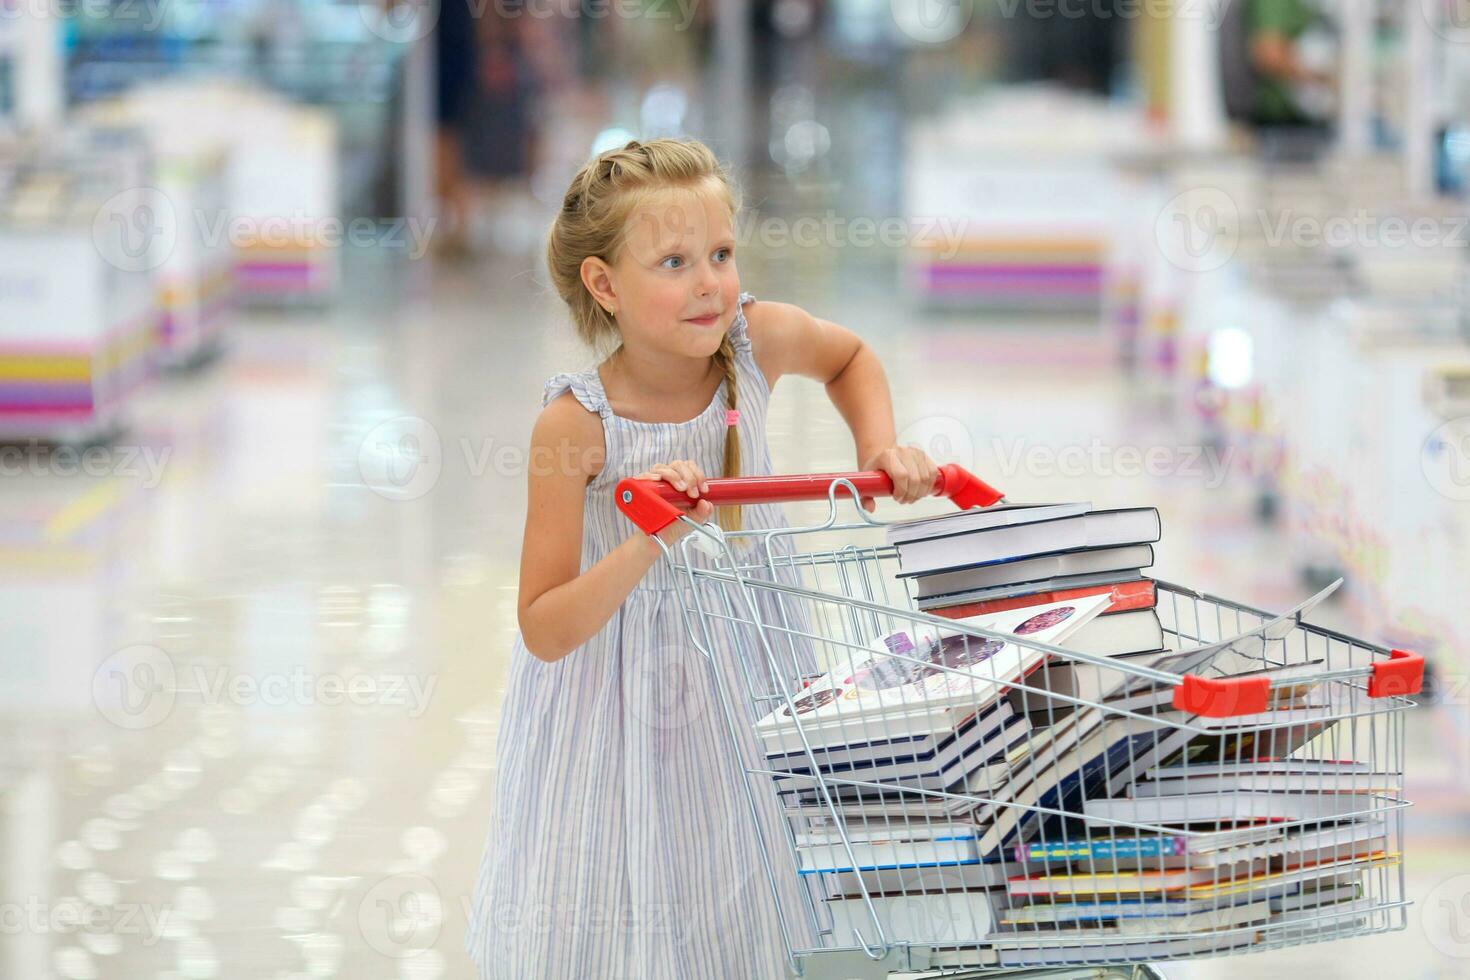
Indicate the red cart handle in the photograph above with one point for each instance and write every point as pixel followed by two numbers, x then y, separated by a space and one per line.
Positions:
pixel 1400 675
pixel 655 504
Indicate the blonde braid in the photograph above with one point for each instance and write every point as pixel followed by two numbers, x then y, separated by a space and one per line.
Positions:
pixel 730 518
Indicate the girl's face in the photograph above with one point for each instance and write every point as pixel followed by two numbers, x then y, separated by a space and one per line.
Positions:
pixel 674 284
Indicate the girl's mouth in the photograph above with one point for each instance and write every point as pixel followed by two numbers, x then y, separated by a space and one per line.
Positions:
pixel 705 321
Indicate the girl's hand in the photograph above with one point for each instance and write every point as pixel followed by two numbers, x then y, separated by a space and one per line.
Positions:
pixel 912 471
pixel 683 474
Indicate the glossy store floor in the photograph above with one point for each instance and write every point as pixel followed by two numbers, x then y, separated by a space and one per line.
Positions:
pixel 250 675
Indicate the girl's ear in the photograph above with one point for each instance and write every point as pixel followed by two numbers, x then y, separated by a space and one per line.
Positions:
pixel 597 276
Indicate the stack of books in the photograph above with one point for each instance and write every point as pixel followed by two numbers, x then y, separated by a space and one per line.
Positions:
pixel 1208 891
pixel 1020 550
pixel 1261 844
pixel 978 563
pixel 920 708
pixel 921 772
pixel 865 754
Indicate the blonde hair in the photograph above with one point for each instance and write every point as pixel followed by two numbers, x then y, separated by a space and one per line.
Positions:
pixel 593 218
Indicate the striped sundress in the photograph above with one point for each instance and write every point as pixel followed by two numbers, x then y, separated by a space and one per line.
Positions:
pixel 621 843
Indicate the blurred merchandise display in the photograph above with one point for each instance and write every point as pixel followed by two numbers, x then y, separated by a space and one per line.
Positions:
pixel 251 179
pixel 1338 372
pixel 78 321
pixel 182 200
pixel 30 65
pixel 1029 182
pixel 348 59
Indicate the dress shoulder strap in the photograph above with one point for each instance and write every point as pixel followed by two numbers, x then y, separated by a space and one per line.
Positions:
pixel 584 385
pixel 739 337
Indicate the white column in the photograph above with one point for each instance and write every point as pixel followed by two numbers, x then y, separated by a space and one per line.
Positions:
pixel 31 37
pixel 1196 103
pixel 1419 92
pixel 1355 77
pixel 732 73
pixel 416 175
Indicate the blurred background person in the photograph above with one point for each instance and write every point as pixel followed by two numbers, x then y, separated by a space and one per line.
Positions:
pixel 457 78
pixel 1280 73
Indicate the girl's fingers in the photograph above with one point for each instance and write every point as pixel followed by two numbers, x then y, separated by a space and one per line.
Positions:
pixel 688 476
pixel 900 477
pixel 665 473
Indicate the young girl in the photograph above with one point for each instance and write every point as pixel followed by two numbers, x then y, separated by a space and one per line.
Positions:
pixel 623 844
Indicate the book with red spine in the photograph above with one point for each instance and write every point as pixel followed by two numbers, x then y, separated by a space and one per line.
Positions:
pixel 1140 593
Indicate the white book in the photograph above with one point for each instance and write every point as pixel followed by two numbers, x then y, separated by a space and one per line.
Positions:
pixel 975 584
pixel 908 880
pixel 1310 766
pixel 907 685
pixel 911 806
pixel 938 763
pixel 884 832
pixel 960 522
pixel 875 854
pixel 1133 631
pixel 1097 529
pixel 1019 949
pixel 1076 680
pixel 1313 898
pixel 1229 807
pixel 1111 910
pixel 1256 782
pixel 1209 920
pixel 933 603
pixel 936 918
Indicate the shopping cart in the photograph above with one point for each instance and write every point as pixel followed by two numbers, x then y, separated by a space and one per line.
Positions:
pixel 962 799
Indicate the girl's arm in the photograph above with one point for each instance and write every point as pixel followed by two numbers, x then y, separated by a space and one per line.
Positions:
pixel 788 340
pixel 560 607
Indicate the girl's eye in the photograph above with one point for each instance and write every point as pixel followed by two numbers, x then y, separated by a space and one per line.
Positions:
pixel 672 258
pixel 722 255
